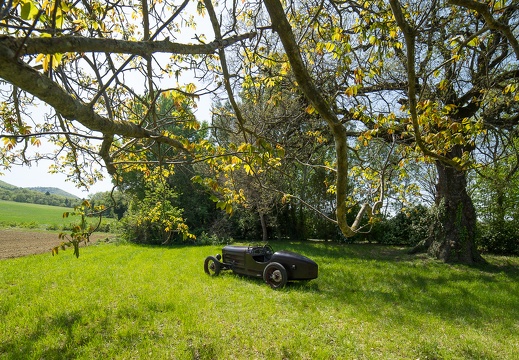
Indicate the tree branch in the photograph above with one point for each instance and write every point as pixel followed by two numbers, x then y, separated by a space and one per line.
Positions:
pixel 305 82
pixel 78 44
pixel 35 83
pixel 483 10
pixel 410 42
pixel 225 70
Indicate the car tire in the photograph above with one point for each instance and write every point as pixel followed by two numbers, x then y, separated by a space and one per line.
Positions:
pixel 212 266
pixel 275 275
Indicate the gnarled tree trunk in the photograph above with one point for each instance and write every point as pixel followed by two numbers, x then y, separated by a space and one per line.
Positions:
pixel 452 239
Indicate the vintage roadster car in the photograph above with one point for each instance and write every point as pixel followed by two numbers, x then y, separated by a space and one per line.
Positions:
pixel 276 268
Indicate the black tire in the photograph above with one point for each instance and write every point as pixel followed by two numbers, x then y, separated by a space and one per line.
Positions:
pixel 212 266
pixel 275 275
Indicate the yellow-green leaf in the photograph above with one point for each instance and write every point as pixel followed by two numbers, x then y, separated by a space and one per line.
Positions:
pixel 248 169
pixel 473 42
pixel 29 11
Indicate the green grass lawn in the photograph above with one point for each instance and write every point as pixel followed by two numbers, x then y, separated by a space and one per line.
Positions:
pixel 35 216
pixel 369 302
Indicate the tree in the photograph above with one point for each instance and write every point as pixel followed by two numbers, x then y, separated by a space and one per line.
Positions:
pixel 494 188
pixel 282 130
pixel 155 179
pixel 449 91
pixel 114 203
pixel 496 181
pixel 102 76
pixel 472 71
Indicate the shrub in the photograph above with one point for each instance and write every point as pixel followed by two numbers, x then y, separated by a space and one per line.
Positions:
pixel 405 228
pixel 54 227
pixel 29 225
pixel 154 220
pixel 104 227
pixel 500 237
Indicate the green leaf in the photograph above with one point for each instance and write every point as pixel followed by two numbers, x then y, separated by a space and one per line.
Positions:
pixel 29 11
pixel 228 209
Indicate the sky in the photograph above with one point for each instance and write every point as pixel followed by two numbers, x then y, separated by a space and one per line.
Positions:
pixel 38 176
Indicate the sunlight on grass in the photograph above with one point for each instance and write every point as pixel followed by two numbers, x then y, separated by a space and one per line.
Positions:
pixel 44 217
pixel 369 302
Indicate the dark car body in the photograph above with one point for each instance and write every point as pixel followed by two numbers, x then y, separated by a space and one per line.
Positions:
pixel 276 268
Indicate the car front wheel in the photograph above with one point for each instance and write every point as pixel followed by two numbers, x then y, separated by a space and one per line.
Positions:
pixel 275 275
pixel 212 266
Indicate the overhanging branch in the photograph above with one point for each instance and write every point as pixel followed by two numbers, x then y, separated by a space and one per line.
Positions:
pixel 78 44
pixel 26 78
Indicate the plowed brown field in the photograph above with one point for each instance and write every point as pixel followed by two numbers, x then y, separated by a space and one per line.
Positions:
pixel 16 243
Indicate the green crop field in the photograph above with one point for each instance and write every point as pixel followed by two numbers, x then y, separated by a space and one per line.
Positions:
pixel 14 214
pixel 33 215
pixel 369 302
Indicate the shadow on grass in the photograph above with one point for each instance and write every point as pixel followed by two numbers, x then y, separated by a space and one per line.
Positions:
pixel 388 282
pixel 69 334
pixel 370 252
pixel 27 345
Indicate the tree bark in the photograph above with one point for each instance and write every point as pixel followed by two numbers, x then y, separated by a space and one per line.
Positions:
pixel 453 239
pixel 79 44
pixel 264 231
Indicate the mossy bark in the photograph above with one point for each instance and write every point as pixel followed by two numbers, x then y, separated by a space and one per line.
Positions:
pixel 452 239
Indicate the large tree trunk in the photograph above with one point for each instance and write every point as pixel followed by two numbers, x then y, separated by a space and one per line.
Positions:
pixel 452 239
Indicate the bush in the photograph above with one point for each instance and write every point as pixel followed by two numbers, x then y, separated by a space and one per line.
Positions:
pixel 104 227
pixel 29 225
pixel 500 237
pixel 154 220
pixel 141 230
pixel 406 228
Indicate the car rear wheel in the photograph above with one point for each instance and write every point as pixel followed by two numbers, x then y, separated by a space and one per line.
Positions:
pixel 275 275
pixel 212 266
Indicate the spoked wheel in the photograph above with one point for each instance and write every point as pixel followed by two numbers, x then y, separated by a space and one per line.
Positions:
pixel 275 275
pixel 212 266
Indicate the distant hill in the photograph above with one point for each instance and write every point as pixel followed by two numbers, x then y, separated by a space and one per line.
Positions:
pixel 53 191
pixel 7 186
pixel 38 195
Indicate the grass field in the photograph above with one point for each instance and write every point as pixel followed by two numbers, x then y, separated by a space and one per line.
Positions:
pixel 34 216
pixel 369 302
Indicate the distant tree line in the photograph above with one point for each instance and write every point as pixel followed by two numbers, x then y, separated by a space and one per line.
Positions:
pixel 36 197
